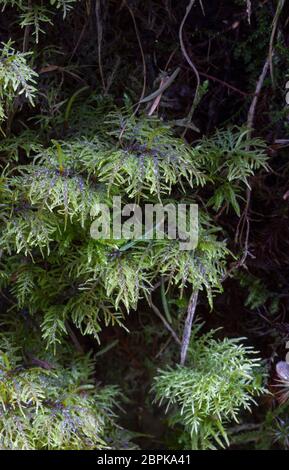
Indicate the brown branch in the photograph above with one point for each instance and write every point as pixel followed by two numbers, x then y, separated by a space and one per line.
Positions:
pixel 142 56
pixel 166 324
pixel 252 109
pixel 244 220
pixel 226 84
pixel 186 55
pixel 183 48
pixel 78 41
pixel 99 42
pixel 73 338
pixel 279 9
pixel 143 64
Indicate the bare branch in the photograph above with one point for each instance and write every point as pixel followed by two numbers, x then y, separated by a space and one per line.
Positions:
pixel 188 326
pixel 167 325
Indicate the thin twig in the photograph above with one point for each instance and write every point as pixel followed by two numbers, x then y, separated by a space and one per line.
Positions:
pixel 142 56
pixel 163 347
pixel 252 109
pixel 226 84
pixel 78 41
pixel 166 324
pixel 184 51
pixel 244 220
pixel 143 64
pixel 110 79
pixel 99 41
pixel 73 337
pixel 183 48
pixel 272 37
pixel 188 326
